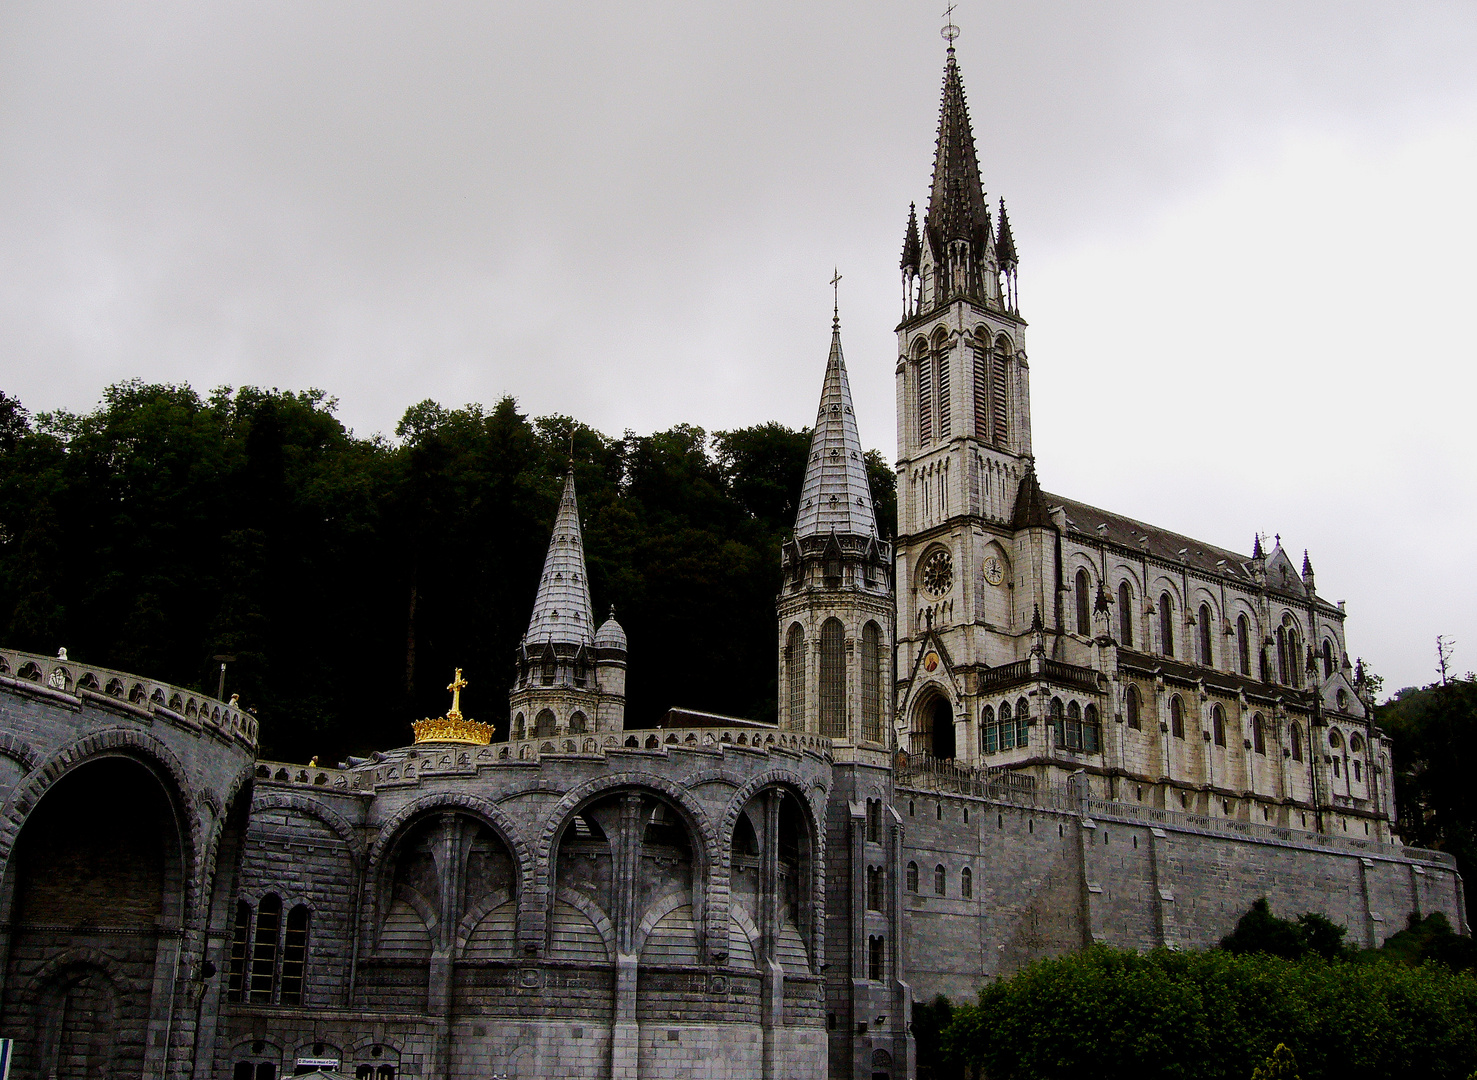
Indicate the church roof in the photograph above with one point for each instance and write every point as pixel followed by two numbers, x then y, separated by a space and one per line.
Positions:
pixel 562 611
pixel 1125 532
pixel 956 203
pixel 835 496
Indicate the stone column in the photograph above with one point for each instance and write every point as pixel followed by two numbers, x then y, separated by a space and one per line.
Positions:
pixel 625 1033
pixel 772 1007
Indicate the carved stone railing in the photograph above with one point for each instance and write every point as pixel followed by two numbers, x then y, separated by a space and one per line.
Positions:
pixel 122 692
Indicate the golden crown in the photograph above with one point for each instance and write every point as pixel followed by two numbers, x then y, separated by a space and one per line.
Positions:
pixel 453 727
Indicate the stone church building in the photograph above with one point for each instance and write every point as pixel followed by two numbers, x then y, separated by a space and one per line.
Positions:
pixel 1021 726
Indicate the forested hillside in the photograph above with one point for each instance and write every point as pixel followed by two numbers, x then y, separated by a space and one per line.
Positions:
pixel 350 575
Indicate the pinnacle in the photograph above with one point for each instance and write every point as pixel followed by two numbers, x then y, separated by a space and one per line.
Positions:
pixel 835 497
pixel 912 247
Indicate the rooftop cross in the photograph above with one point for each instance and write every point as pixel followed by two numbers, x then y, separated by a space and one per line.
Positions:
pixel 836 296
pixel 950 31
pixel 456 686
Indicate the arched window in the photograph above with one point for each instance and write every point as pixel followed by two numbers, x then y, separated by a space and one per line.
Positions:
pixel 518 727
pixel 966 883
pixel 264 949
pixel 795 672
pixel 1022 715
pixel 874 820
pixel 1074 726
pixel 874 958
pixel 939 880
pixel 912 877
pixel 1243 644
pixel 1176 717
pixel 1327 659
pixel 1084 605
pixel 1358 771
pixel 871 674
pixel 1058 722
pixel 1295 735
pixel 1258 736
pixel 1283 676
pixel 1204 635
pixel 874 888
pixel 577 724
pixel 1131 708
pixel 1218 724
pixel 1294 653
pixel 989 731
pixel 833 679
pixel 544 724
pixel 294 955
pixel 1092 740
pixel 1125 615
pixel 1007 727
pixel 1166 624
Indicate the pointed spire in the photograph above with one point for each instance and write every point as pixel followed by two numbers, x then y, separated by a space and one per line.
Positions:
pixel 912 246
pixel 1005 243
pixel 956 203
pixel 1256 548
pixel 1307 564
pixel 836 496
pixel 1031 511
pixel 562 611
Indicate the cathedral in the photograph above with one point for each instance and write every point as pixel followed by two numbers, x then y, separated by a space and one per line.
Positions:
pixel 1020 726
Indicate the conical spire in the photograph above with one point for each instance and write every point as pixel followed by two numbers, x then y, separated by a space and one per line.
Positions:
pixel 562 611
pixel 836 497
pixel 1031 511
pixel 956 203
pixel 912 247
pixel 1005 244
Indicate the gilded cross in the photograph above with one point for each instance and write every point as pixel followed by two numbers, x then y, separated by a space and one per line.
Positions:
pixel 455 686
pixel 836 292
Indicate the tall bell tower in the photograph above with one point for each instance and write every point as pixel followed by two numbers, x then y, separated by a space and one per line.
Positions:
pixel 964 437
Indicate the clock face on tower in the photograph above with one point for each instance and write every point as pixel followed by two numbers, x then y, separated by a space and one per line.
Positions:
pixel 937 573
pixel 994 570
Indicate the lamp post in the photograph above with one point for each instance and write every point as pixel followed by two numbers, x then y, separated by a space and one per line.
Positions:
pixel 220 690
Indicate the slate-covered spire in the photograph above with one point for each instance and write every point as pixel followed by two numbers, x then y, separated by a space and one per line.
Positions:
pixel 561 612
pixel 835 497
pixel 956 202
pixel 912 246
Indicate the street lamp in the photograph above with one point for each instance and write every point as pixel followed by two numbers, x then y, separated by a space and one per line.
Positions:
pixel 220 690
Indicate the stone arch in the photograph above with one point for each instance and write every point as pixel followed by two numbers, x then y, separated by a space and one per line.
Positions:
pixel 596 916
pixel 139 746
pixel 473 806
pixel 708 854
pixel 336 822
pixel 925 702
pixel 653 915
pixel 19 751
pixel 473 917
pixel 815 817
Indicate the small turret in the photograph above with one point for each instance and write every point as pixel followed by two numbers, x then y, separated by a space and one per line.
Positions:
pixel 1308 572
pixel 1006 257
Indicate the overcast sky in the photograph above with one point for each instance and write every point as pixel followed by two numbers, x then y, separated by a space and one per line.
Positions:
pixel 1246 235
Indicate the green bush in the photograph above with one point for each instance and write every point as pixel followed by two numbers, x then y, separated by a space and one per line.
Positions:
pixel 1217 1014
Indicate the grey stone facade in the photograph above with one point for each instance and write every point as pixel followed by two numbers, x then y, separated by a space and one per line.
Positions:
pixel 1022 726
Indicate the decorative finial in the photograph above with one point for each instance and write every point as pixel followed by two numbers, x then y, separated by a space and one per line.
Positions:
pixel 455 686
pixel 950 31
pixel 835 299
pixel 571 469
